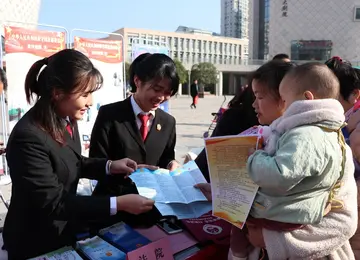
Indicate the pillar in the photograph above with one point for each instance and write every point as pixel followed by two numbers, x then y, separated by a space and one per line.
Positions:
pixel 219 85
pixel 180 90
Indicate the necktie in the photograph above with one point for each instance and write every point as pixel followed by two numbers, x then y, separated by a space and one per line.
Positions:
pixel 69 129
pixel 144 129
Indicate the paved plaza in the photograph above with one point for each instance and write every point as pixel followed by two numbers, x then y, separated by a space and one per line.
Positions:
pixel 191 124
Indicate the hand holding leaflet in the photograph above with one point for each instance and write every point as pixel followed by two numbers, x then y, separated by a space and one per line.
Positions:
pixel 173 192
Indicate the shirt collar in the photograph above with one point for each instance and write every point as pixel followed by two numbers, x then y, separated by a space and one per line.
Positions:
pixel 137 110
pixel 66 121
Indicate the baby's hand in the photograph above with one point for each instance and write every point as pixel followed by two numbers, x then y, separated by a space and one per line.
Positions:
pixel 251 151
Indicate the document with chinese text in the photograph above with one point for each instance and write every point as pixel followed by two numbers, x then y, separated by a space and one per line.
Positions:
pixel 233 191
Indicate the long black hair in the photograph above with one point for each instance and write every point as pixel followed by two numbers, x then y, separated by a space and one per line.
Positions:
pixel 153 68
pixel 69 71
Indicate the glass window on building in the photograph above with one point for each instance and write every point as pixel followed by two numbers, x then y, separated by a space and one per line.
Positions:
pixel 181 44
pixel 357 13
pixel 150 39
pixel 188 44
pixel 311 50
pixel 156 40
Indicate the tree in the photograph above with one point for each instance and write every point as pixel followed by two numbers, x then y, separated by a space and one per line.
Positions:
pixel 205 73
pixel 182 72
pixel 127 73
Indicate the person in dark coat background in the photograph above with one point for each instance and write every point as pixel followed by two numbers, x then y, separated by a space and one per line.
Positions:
pixel 194 92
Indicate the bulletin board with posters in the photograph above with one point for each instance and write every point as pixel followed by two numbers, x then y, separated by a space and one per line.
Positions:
pixel 23 47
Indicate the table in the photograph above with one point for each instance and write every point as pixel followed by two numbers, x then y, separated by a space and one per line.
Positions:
pixel 183 244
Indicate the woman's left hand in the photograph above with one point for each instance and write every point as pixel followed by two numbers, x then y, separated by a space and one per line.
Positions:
pixel 124 166
pixel 255 236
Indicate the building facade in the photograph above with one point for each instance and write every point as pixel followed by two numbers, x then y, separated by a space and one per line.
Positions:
pixel 259 18
pixel 188 47
pixel 18 13
pixel 315 30
pixel 235 18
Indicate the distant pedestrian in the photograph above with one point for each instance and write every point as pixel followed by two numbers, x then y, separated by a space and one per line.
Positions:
pixel 194 92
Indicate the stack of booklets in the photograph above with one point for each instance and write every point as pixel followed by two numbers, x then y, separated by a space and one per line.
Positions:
pixel 96 248
pixel 123 237
pixel 64 253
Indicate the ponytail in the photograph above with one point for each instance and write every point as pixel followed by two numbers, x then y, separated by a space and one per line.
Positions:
pixel 68 71
pixel 32 85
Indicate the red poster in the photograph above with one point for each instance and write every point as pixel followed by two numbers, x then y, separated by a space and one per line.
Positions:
pixel 39 43
pixel 101 50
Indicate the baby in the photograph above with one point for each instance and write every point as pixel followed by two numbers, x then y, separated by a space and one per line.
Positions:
pixel 301 166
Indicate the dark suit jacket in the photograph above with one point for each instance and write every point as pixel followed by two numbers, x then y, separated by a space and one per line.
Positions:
pixel 194 90
pixel 44 178
pixel 233 121
pixel 116 135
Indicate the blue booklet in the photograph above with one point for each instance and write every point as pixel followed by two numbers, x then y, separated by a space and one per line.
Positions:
pixel 123 237
pixel 96 248
pixel 64 253
pixel 174 192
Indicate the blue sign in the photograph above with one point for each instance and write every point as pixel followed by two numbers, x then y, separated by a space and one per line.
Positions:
pixel 138 49
pixel 165 106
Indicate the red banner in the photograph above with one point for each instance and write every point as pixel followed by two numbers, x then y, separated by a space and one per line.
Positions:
pixel 101 50
pixel 39 43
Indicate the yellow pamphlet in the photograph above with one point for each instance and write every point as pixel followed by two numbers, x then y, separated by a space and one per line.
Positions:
pixel 233 191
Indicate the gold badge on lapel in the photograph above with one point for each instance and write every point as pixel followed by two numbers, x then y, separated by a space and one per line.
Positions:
pixel 158 127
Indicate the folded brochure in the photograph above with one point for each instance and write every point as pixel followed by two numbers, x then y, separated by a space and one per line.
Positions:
pixel 174 192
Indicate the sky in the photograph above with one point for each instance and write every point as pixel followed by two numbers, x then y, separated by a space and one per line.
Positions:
pixel 110 15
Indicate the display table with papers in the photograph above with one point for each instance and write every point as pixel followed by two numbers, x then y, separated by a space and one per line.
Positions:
pixel 180 246
pixel 202 235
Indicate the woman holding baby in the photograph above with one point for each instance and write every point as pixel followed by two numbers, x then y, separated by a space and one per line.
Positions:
pixel 305 171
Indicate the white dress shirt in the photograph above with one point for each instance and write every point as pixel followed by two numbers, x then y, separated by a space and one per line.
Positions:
pixel 137 110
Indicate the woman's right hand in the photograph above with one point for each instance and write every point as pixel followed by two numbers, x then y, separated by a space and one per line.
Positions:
pixel 134 204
